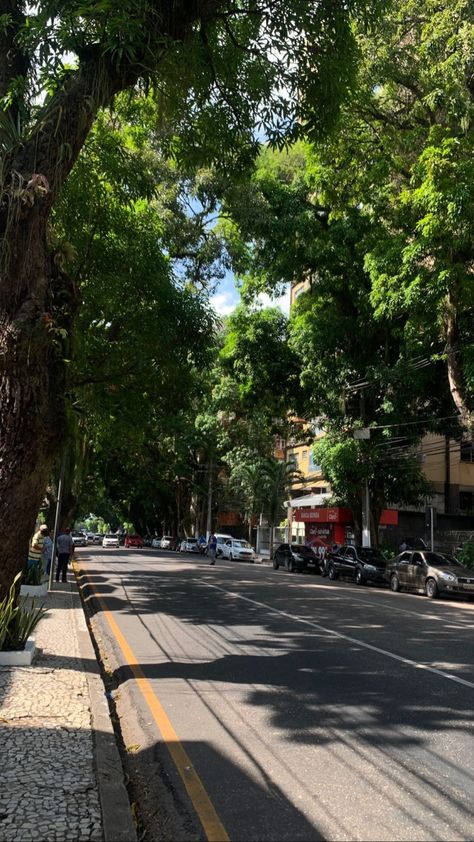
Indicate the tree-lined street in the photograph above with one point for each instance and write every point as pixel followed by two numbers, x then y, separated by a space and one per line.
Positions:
pixel 308 709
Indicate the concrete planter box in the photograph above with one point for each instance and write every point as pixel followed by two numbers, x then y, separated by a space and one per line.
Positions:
pixel 17 657
pixel 34 590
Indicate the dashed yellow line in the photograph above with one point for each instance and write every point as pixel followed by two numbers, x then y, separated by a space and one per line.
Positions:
pixel 213 827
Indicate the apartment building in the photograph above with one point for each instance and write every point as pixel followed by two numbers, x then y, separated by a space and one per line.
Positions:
pixel 446 463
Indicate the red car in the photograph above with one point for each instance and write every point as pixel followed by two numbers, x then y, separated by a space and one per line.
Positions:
pixel 133 541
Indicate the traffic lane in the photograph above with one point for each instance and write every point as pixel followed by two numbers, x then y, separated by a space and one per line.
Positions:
pixel 433 633
pixel 322 704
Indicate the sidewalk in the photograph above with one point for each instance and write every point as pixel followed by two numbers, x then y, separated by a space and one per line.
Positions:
pixel 60 775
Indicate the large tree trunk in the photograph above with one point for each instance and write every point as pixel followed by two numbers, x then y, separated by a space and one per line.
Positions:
pixel 31 388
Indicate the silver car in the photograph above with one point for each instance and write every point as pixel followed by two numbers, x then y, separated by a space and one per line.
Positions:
pixel 431 573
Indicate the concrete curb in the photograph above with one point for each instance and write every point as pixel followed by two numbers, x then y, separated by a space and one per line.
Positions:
pixel 118 824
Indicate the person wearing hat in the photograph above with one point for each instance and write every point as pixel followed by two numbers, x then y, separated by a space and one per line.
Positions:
pixel 64 550
pixel 35 552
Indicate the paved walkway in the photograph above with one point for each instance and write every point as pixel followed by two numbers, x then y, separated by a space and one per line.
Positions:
pixel 60 772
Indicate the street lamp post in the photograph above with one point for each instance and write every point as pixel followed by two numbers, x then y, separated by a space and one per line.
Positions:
pixel 363 434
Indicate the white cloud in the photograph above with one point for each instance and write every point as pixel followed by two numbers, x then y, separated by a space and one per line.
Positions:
pixel 224 302
pixel 283 301
pixel 227 300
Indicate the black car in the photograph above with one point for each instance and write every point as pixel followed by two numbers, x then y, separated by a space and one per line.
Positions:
pixel 295 557
pixel 429 572
pixel 364 564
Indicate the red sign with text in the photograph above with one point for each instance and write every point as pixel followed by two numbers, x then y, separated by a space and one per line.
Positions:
pixel 339 514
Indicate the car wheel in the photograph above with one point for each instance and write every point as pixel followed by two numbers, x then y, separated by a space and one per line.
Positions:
pixel 332 573
pixel 359 577
pixel 394 583
pixel 291 566
pixel 431 589
pixel 275 564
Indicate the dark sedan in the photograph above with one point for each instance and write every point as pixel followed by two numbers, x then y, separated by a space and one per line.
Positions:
pixel 363 564
pixel 430 573
pixel 295 557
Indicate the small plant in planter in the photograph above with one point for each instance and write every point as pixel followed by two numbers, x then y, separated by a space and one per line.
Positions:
pixel 16 621
pixel 33 575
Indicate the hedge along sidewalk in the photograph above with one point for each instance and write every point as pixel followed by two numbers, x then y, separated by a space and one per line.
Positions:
pixel 61 777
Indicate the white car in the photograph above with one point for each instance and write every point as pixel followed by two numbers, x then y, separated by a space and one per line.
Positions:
pixel 110 540
pixel 166 542
pixel 238 550
pixel 156 543
pixel 189 545
pixel 78 539
pixel 221 540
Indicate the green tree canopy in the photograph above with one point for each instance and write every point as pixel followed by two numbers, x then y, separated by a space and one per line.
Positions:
pixel 217 70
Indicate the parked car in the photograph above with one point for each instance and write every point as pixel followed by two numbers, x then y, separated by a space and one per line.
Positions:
pixel 295 557
pixel 156 542
pixel 110 540
pixel 221 539
pixel 364 564
pixel 167 542
pixel 431 573
pixel 79 539
pixel 90 537
pixel 189 545
pixel 98 538
pixel 133 541
pixel 238 550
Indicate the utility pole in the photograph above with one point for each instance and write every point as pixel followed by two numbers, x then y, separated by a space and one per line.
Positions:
pixel 209 502
pixel 56 520
pixel 361 435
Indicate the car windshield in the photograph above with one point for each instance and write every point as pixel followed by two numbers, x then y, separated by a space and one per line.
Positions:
pixel 110 535
pixel 241 544
pixel 192 540
pixel 438 560
pixel 301 549
pixel 368 554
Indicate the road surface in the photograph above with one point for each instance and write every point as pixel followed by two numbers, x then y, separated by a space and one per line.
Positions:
pixel 260 705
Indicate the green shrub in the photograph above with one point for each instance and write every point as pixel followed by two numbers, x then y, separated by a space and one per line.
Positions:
pixel 389 552
pixel 466 555
pixel 17 621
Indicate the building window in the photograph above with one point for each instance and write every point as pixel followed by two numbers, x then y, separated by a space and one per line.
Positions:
pixel 314 467
pixel 304 455
pixel 466 451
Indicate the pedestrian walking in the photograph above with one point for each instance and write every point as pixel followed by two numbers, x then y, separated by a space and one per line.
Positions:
pixel 64 550
pixel 47 552
pixel 212 548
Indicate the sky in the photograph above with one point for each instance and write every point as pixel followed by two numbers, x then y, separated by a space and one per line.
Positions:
pixel 227 297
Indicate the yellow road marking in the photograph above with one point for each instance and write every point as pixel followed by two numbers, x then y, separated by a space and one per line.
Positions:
pixel 210 821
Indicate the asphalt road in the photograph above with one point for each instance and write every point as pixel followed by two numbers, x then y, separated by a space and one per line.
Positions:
pixel 305 709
